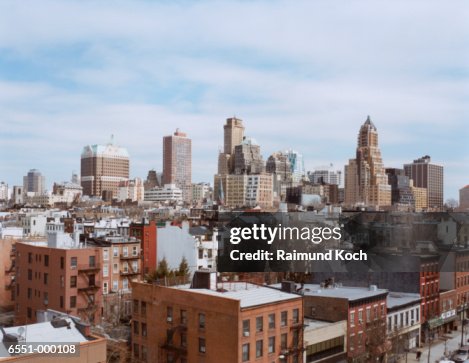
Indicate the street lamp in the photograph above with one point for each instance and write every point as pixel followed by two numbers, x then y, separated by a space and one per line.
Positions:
pixel 463 321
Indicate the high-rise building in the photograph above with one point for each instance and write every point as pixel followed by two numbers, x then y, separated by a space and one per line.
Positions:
pixel 464 197
pixel 34 182
pixel 132 190
pixel 365 179
pixel 152 180
pixel 426 174
pixel 103 167
pixel 278 165
pixel 3 192
pixel 247 157
pixel 177 162
pixel 296 164
pixel 401 193
pixel 233 135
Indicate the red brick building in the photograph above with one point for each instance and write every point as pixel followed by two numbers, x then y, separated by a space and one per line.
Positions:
pixel 231 322
pixel 146 232
pixel 429 287
pixel 63 279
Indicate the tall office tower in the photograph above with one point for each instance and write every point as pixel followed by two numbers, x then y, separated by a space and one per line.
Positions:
pixel 34 182
pixel 365 179
pixel 401 191
pixel 247 157
pixel 425 174
pixel 177 162
pixel 464 197
pixel 296 164
pixel 325 175
pixel 3 192
pixel 103 167
pixel 233 135
pixel 278 164
pixel 152 180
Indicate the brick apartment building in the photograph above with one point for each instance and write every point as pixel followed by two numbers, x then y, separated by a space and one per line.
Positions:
pixel 363 308
pixel 65 279
pixel 146 232
pixel 229 322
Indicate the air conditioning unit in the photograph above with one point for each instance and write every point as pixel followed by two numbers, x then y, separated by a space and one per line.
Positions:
pixel 412 322
pixel 169 319
pixel 246 333
pixel 202 349
pixel 360 321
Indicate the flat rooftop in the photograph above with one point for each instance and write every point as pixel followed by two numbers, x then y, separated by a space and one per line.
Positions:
pixel 343 292
pixel 396 299
pixel 247 294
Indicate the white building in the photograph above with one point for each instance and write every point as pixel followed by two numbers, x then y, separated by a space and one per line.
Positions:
pixel 131 190
pixel 11 232
pixel 200 192
pixel 67 192
pixel 325 175
pixel 176 242
pixel 403 320
pixel 34 225
pixel 17 196
pixel 207 246
pixel 169 193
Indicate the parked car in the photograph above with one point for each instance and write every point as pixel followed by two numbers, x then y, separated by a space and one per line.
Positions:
pixel 461 355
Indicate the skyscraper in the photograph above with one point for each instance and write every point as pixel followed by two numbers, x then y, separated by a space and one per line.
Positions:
pixel 427 175
pixel 365 179
pixel 296 164
pixel 247 158
pixel 34 182
pixel 103 167
pixel 177 162
pixel 233 135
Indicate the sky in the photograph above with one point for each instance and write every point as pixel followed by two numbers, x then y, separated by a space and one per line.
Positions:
pixel 300 74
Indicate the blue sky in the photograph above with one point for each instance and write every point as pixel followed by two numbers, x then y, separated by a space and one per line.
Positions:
pixel 301 75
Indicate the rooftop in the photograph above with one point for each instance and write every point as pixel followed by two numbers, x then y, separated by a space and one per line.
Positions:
pixel 396 299
pixel 247 294
pixel 341 292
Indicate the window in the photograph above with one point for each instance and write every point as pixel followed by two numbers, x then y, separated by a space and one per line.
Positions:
pixel 105 254
pixel 202 345
pixel 360 316
pixel 183 316
pixel 73 262
pixel 246 327
pixel 271 348
pixel 296 316
pixel 136 327
pixel 368 314
pixel 201 254
pixel 105 288
pixel 271 321
pixel 144 353
pixel 105 270
pixel 30 313
pixel 375 312
pixel 136 351
pixel 144 329
pixel 134 251
pixel 202 321
pixel 245 352
pixel 73 301
pixel 259 324
pixel 284 341
pixel 115 285
pixel 183 340
pixel 115 251
pixel 62 263
pixel 92 261
pixel 126 251
pixel 259 345
pixel 30 292
pixel 115 268
pixel 30 274
pixel 169 313
pixel 61 301
pixel 73 281
pixel 30 257
pixel 352 318
pixel 143 311
pixel 283 318
pixel 46 260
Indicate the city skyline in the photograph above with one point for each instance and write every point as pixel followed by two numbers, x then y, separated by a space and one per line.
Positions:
pixel 300 76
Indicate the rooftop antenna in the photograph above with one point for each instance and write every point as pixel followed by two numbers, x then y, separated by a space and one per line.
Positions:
pixel 112 139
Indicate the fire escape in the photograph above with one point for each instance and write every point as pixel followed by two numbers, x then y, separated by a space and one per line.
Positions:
pixel 170 346
pixel 89 288
pixel 9 271
pixel 130 270
pixel 297 347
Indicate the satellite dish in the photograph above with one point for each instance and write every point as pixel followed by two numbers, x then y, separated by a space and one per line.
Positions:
pixel 21 331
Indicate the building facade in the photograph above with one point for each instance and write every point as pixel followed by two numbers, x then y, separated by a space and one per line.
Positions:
pixel 426 174
pixel 366 182
pixel 103 167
